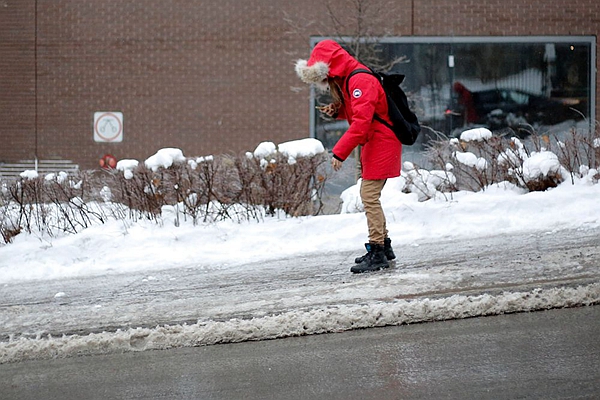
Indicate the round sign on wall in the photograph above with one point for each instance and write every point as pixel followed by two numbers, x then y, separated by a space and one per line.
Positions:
pixel 108 126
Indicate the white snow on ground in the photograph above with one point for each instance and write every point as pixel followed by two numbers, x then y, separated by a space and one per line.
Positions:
pixel 124 246
pixel 117 247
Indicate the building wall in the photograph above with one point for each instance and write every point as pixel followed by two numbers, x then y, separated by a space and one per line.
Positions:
pixel 205 76
pixel 17 85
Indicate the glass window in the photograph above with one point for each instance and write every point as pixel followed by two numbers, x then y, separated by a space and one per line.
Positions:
pixel 512 84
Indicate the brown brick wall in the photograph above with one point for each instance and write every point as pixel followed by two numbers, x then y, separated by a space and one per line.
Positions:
pixel 17 86
pixel 506 17
pixel 204 76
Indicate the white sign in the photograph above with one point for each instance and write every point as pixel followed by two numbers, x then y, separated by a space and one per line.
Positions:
pixel 108 126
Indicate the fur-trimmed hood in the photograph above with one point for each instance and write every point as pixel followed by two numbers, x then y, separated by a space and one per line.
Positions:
pixel 327 59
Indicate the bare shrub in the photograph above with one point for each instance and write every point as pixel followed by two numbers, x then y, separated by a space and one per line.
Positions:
pixel 295 188
pixel 206 189
pixel 46 205
pixel 225 187
pixel 477 164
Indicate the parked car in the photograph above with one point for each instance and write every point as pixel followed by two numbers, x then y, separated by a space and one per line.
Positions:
pixel 500 108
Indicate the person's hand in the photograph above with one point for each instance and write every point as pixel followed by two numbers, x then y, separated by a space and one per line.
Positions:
pixel 336 164
pixel 330 109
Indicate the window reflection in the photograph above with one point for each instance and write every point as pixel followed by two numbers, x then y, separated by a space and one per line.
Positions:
pixel 513 85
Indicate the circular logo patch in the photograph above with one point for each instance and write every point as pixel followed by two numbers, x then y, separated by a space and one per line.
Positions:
pixel 357 93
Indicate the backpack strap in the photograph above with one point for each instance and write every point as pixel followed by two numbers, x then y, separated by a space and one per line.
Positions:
pixel 370 72
pixel 356 71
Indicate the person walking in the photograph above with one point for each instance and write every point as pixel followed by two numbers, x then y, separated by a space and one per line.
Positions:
pixel 329 68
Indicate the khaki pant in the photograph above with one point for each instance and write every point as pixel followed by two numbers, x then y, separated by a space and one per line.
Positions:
pixel 370 192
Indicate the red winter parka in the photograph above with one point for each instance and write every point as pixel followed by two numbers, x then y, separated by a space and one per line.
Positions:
pixel 381 152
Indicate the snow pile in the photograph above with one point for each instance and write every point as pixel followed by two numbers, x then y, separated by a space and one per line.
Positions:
pixel 128 244
pixel 413 184
pixel 298 323
pixel 351 201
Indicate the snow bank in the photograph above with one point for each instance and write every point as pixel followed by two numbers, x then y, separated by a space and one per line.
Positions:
pixel 298 323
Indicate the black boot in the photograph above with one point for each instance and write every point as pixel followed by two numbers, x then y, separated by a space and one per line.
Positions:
pixel 375 259
pixel 387 247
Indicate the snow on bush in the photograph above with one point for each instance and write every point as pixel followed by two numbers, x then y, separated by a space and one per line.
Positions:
pixel 471 160
pixel 425 184
pixel 169 186
pixel 540 165
pixel 287 178
pixel 479 160
pixel 29 174
pixel 476 134
pixel 265 149
pixel 127 167
pixel 164 158
pixel 59 177
pixel 308 147
pixel 200 160
pixel 513 155
pixel 351 202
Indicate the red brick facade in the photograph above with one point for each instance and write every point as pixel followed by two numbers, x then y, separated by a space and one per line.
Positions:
pixel 204 76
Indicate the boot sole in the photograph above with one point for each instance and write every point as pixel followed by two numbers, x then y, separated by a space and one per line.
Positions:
pixel 357 270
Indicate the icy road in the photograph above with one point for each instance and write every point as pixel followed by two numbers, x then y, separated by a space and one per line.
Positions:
pixel 204 304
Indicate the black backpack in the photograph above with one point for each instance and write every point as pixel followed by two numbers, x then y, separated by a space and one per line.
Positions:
pixel 404 122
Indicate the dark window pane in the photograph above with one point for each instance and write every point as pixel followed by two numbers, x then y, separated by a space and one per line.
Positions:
pixel 501 83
